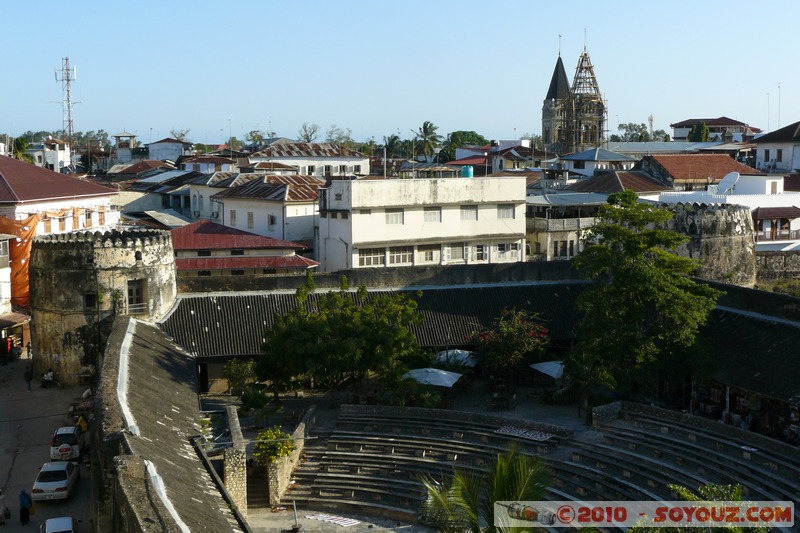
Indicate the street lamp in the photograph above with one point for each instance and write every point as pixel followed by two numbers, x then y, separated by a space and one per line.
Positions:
pixel 486 164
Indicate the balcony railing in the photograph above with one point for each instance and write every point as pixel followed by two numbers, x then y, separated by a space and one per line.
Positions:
pixel 136 309
pixel 781 235
pixel 563 224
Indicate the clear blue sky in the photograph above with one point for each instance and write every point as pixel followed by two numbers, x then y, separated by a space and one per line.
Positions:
pixel 383 67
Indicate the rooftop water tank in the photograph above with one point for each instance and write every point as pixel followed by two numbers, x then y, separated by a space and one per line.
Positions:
pixel 466 171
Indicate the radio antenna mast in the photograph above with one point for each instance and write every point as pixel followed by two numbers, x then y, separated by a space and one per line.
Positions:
pixel 66 76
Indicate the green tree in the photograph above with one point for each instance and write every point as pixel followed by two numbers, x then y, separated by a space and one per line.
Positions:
pixel 699 133
pixel 308 133
pixel 460 138
pixel 238 373
pixel 705 493
pixel 466 502
pixel 392 145
pixel 515 338
pixel 339 335
pixel 335 134
pixel 20 149
pixel 537 141
pixel 254 136
pixel 429 139
pixel 272 444
pixel 643 312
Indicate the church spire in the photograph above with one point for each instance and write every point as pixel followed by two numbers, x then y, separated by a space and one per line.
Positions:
pixel 559 83
pixel 585 81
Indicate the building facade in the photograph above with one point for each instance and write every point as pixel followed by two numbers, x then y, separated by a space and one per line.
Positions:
pixel 421 222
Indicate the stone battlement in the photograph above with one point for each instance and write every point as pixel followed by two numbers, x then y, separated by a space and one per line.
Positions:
pixel 110 238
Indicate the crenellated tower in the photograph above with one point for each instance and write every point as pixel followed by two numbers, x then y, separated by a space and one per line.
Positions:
pixel 79 281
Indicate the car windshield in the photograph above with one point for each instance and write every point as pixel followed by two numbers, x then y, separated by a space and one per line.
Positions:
pixel 48 476
pixel 58 440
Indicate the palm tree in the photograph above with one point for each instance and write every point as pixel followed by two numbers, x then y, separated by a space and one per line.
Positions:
pixel 392 145
pixel 428 138
pixel 467 502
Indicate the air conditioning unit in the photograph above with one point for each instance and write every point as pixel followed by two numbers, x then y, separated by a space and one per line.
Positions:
pixel 215 214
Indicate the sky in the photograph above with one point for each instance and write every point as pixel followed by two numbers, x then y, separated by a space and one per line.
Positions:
pixel 221 69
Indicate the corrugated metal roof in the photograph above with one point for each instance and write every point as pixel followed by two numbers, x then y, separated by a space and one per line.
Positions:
pixel 207 235
pixel 698 168
pixel 21 182
pixel 298 150
pixel 567 198
pixel 597 154
pixel 203 324
pixel 277 188
pixel 190 264
pixel 618 181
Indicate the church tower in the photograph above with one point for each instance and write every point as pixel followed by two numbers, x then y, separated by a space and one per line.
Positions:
pixel 573 118
pixel 556 110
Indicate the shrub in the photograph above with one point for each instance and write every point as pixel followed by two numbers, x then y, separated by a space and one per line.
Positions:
pixel 273 444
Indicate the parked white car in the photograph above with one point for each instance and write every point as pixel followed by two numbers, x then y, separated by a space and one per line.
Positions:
pixel 56 481
pixel 62 524
pixel 67 443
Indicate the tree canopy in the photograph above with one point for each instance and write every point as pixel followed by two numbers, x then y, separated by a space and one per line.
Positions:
pixel 308 132
pixel 428 138
pixel 633 132
pixel 699 133
pixel 339 335
pixel 640 321
pixel 515 339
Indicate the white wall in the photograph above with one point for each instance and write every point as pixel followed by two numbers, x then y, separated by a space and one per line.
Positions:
pixel 790 158
pixel 292 222
pixel 164 151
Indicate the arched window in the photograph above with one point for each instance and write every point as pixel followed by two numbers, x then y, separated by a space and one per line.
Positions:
pixel 194 202
pixel 138 255
pixel 200 206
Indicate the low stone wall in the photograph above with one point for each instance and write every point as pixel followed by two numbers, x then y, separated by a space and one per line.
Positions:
pixel 235 462
pixel 605 413
pixel 392 277
pixel 448 414
pixel 279 473
pixel 778 265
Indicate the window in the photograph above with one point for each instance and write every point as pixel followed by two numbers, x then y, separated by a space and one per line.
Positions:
pixel 47 226
pixel 455 251
pixel 203 253
pixel 249 220
pixel 394 216
pixel 233 217
pixel 579 165
pixel 502 248
pixel 137 255
pixel 429 253
pixel 311 169
pixel 87 218
pixel 356 169
pixel 365 211
pixel 271 222
pixel 337 196
pixel 505 211
pixel 372 257
pixel 779 154
pixel 328 170
pixel 204 273
pixel 237 272
pixel 342 169
pixel 433 214
pixel 479 252
pixel 237 252
pixel 766 156
pixel 401 255
pixel 469 212
pixel 90 300
pixel 62 223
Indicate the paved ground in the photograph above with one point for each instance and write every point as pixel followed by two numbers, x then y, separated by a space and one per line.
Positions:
pixel 27 421
pixel 526 406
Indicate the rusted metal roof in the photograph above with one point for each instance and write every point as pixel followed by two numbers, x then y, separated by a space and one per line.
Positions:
pixel 618 181
pixel 207 235
pixel 22 182
pixel 299 150
pixel 239 262
pixel 698 168
pixel 278 188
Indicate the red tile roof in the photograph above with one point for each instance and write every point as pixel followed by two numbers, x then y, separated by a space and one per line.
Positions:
pixel 698 168
pixel 207 235
pixel 243 262
pixel 21 182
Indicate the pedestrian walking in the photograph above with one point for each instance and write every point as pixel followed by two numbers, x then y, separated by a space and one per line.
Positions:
pixel 28 376
pixel 30 350
pixel 25 503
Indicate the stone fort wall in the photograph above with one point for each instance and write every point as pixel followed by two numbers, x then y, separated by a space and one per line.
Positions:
pixel 79 281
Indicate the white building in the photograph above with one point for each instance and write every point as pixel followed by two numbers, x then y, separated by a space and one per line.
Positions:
pixel 168 149
pixel 779 150
pixel 409 222
pixel 52 154
pixel 316 159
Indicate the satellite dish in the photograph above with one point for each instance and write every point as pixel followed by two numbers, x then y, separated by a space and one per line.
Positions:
pixel 727 183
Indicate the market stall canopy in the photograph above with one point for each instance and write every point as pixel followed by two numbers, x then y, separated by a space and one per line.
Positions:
pixel 432 376
pixel 554 369
pixel 457 358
